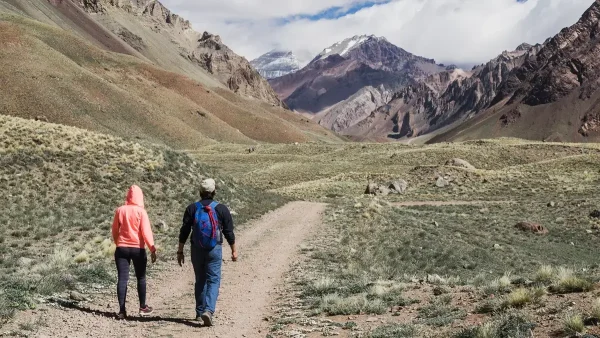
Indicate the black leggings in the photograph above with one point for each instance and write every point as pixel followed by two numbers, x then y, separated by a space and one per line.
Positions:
pixel 123 258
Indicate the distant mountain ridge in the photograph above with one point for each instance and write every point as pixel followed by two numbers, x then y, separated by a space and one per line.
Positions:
pixel 368 89
pixel 351 78
pixel 276 63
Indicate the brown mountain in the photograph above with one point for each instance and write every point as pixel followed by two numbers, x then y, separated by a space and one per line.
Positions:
pixel 542 92
pixel 350 79
pixel 119 69
pixel 149 27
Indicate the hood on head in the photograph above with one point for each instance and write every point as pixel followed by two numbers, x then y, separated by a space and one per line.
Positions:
pixel 135 196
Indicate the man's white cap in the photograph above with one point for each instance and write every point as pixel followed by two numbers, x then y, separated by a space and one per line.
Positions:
pixel 207 185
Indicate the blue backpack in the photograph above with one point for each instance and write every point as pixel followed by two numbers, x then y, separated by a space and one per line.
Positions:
pixel 207 232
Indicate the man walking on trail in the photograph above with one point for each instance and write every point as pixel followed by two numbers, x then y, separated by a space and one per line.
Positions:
pixel 208 221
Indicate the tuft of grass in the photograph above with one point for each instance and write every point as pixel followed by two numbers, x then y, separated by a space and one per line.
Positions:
pixel 512 325
pixel 518 298
pixel 82 257
pixel 390 294
pixel 321 287
pixel 499 285
pixel 567 282
pixel 394 331
pixel 544 275
pixel 522 296
pixel 573 324
pixel 334 304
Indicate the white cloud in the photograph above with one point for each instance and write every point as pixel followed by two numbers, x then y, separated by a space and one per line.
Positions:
pixel 451 31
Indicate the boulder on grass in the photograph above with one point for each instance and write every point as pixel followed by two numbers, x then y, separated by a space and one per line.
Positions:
pixel 457 162
pixel 372 189
pixel 441 182
pixel 382 191
pixel 398 187
pixel 531 227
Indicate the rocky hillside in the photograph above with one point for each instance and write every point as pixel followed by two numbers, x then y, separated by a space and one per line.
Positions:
pixel 344 83
pixel 450 96
pixel 53 74
pixel 544 92
pixel 141 22
pixel 276 64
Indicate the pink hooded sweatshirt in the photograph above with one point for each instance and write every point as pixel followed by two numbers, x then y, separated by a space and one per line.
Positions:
pixel 131 225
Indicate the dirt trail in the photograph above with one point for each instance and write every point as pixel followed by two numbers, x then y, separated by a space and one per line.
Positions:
pixel 266 248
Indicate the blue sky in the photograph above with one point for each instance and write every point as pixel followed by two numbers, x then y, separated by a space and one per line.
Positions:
pixel 337 12
pixel 450 31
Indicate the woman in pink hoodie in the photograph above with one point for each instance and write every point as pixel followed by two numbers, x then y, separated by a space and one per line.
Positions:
pixel 131 232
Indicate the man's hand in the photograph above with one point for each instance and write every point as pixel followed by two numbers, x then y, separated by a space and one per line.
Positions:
pixel 153 257
pixel 180 258
pixel 234 255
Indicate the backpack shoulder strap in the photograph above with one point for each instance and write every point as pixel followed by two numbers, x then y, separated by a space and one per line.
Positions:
pixel 214 204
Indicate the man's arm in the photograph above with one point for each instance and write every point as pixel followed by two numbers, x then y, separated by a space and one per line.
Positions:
pixel 227 224
pixel 184 232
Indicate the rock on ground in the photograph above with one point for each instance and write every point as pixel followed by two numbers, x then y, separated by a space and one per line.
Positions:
pixel 457 162
pixel 398 187
pixel 441 182
pixel 531 227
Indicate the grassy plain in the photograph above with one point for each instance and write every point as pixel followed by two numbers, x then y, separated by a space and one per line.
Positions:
pixel 386 256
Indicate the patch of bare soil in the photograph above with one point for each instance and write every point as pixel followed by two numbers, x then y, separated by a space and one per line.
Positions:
pixel 266 249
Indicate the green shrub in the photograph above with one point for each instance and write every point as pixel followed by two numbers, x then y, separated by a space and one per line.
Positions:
pixel 440 312
pixel 487 306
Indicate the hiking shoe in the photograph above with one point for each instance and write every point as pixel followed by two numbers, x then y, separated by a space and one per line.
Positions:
pixel 122 316
pixel 146 311
pixel 207 318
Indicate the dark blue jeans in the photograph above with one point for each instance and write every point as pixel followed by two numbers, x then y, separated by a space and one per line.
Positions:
pixel 207 268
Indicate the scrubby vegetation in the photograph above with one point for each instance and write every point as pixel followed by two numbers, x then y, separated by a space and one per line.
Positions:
pixel 451 239
pixel 60 187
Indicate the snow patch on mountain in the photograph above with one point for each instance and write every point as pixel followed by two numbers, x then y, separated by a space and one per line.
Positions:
pixel 276 63
pixel 344 47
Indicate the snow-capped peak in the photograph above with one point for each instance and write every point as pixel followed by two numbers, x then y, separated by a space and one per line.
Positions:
pixel 344 47
pixel 276 63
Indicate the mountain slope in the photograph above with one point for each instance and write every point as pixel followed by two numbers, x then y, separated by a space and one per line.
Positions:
pixel 553 95
pixel 50 74
pixel 339 83
pixel 145 28
pixel 451 96
pixel 275 64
